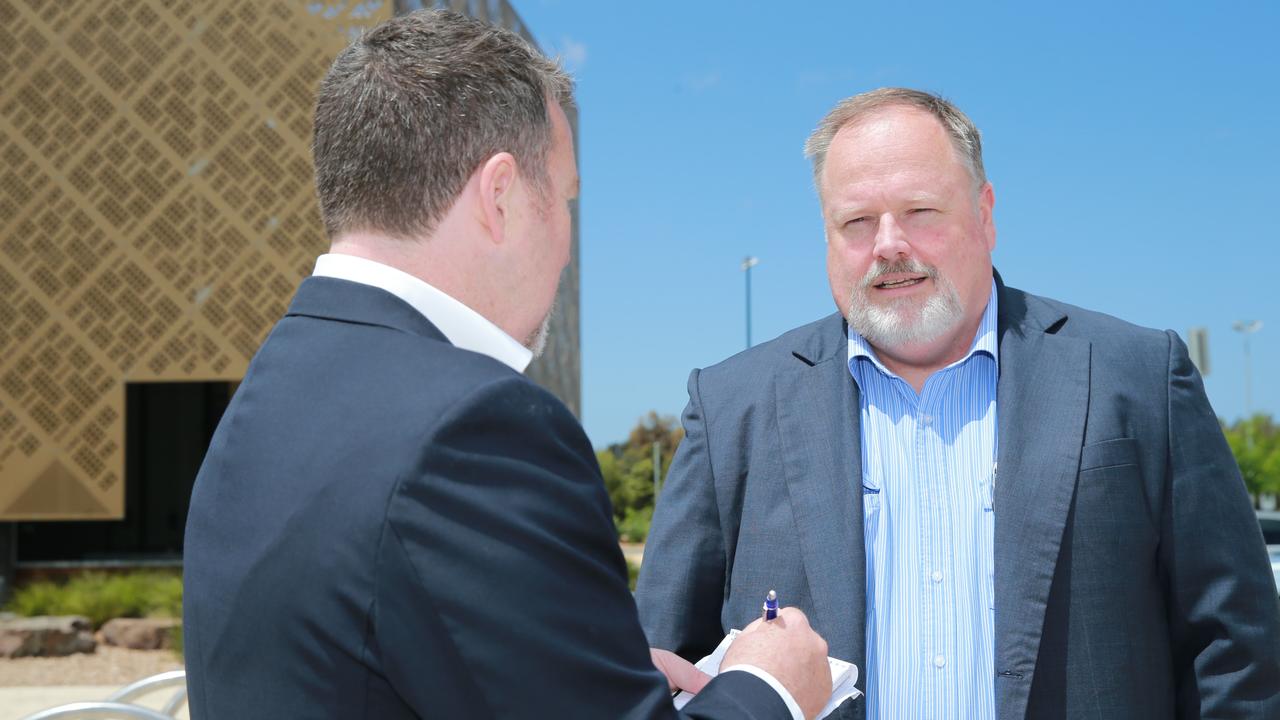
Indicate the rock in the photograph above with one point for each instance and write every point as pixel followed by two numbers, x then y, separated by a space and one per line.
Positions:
pixel 46 636
pixel 140 633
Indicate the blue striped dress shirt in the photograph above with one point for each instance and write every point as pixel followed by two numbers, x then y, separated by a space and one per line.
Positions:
pixel 928 466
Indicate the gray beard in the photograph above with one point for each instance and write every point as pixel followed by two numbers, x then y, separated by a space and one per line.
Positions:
pixel 907 321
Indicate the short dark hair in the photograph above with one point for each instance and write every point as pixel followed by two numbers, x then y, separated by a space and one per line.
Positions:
pixel 409 110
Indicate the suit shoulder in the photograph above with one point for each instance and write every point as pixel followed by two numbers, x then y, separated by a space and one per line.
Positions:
pixel 1099 326
pixel 810 343
pixel 467 393
pixel 416 368
pixel 1127 352
pixel 381 377
pixel 748 377
pixel 515 396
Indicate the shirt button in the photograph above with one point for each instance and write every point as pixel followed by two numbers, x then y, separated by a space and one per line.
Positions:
pixel 937 576
pixel 928 419
pixel 939 661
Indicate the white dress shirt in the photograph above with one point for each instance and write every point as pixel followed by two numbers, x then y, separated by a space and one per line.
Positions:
pixel 928 467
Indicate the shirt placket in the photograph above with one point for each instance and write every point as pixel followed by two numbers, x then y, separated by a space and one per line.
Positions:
pixel 935 553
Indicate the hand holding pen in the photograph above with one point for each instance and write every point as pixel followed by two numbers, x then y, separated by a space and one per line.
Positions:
pixel 784 645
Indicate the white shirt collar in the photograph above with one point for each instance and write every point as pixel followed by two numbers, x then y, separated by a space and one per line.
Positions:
pixel 464 327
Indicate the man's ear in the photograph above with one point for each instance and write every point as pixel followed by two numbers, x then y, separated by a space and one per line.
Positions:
pixel 986 207
pixel 497 183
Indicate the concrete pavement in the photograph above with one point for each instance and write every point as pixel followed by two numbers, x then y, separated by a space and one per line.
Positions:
pixel 17 702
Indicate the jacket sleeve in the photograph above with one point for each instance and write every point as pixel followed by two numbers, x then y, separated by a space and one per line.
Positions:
pixel 681 588
pixel 501 587
pixel 1224 614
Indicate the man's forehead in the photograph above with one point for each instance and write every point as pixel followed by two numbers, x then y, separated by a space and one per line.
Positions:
pixel 858 194
pixel 894 140
pixel 896 126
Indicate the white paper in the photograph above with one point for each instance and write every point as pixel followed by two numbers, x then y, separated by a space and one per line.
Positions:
pixel 844 676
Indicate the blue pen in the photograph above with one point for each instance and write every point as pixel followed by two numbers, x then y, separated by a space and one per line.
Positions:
pixel 770 609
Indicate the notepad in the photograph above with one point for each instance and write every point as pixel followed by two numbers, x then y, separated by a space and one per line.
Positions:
pixel 844 676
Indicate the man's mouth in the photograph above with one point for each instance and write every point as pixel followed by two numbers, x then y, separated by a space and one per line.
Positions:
pixel 899 283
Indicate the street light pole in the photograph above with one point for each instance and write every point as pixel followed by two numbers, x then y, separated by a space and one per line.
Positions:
pixel 657 470
pixel 1246 329
pixel 747 263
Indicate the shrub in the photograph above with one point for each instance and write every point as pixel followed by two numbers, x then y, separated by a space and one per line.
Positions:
pixel 101 597
pixel 41 598
pixel 627 468
pixel 635 525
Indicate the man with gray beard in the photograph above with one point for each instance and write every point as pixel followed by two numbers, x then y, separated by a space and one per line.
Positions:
pixel 993 503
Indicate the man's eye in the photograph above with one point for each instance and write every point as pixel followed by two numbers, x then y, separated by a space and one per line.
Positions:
pixel 917 211
pixel 855 221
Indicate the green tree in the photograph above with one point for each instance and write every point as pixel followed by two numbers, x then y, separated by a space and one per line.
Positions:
pixel 627 468
pixel 1255 442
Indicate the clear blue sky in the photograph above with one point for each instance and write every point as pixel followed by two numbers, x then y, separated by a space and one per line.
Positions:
pixel 1134 153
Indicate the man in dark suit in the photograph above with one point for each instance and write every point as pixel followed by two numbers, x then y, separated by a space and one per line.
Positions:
pixel 392 522
pixel 1083 548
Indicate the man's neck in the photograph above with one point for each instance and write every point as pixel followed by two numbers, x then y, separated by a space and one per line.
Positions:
pixel 428 259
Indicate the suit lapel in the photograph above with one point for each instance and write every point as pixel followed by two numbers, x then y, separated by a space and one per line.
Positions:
pixel 1043 398
pixel 817 409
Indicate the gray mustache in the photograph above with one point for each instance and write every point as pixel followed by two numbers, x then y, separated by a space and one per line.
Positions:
pixel 902 266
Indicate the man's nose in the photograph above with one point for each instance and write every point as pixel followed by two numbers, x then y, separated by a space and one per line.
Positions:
pixel 891 241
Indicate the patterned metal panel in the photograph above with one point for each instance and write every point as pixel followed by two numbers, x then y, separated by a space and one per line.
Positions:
pixel 156 214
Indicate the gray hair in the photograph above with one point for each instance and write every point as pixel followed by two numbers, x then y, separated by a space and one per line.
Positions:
pixel 408 111
pixel 965 137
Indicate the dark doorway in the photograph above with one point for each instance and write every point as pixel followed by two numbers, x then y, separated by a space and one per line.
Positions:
pixel 167 431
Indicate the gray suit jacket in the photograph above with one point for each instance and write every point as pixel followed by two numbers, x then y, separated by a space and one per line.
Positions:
pixel 1130 574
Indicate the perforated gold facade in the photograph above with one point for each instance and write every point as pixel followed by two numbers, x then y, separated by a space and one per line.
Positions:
pixel 156 214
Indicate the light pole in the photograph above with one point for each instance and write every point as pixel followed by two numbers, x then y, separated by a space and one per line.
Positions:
pixel 1247 328
pixel 747 263
pixel 657 470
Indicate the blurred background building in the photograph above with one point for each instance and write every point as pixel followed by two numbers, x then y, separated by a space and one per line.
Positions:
pixel 156 215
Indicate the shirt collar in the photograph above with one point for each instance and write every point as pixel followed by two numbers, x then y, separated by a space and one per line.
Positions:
pixel 464 327
pixel 984 340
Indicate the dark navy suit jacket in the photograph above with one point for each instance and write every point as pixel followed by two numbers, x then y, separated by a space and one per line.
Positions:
pixel 387 526
pixel 1130 575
